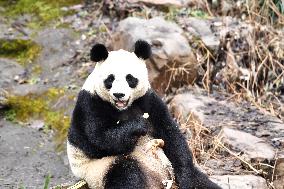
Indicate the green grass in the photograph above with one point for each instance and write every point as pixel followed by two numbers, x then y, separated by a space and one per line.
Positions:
pixel 271 13
pixel 22 187
pixel 31 106
pixel 24 51
pixel 173 13
pixel 47 181
pixel 10 115
pixel 43 11
pixel 198 14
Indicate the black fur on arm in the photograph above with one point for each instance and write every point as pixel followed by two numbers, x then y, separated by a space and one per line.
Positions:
pixel 176 147
pixel 96 134
pixel 118 140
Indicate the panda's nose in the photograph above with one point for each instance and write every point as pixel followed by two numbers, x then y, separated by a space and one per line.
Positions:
pixel 118 95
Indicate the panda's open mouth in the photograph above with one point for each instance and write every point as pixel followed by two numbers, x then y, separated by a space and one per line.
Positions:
pixel 121 103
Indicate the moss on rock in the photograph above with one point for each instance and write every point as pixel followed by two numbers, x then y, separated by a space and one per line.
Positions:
pixel 32 106
pixel 42 11
pixel 25 51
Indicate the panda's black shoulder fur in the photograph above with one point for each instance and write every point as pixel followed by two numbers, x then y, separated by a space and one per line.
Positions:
pixel 100 130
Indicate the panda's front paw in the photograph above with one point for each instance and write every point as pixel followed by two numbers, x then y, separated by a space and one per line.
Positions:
pixel 140 132
pixel 138 127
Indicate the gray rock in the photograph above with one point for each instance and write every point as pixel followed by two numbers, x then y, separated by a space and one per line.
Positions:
pixel 6 31
pixel 277 126
pixel 211 30
pixel 240 181
pixel 255 148
pixel 202 28
pixel 8 70
pixel 278 142
pixel 25 89
pixel 186 104
pixel 59 50
pixel 37 124
pixel 58 46
pixel 170 50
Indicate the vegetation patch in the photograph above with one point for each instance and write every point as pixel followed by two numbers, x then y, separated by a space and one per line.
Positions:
pixel 32 106
pixel 174 13
pixel 269 12
pixel 42 11
pixel 25 51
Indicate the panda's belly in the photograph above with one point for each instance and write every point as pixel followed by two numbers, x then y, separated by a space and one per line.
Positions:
pixel 90 170
pixel 153 162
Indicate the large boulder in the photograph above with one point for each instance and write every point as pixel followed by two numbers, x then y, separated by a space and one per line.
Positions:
pixel 240 181
pixel 186 104
pixel 212 30
pixel 173 64
pixel 202 28
pixel 254 148
pixel 58 46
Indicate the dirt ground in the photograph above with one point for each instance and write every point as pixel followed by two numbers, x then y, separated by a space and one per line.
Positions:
pixel 28 156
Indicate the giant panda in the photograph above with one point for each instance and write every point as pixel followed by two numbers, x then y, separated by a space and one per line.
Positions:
pixel 117 118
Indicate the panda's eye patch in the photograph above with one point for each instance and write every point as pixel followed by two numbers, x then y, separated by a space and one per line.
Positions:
pixel 108 81
pixel 132 81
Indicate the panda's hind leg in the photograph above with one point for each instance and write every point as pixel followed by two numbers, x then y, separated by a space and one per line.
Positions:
pixel 125 173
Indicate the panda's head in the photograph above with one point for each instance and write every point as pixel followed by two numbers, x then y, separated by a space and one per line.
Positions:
pixel 119 77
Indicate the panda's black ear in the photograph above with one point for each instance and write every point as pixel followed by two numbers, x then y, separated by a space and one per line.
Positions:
pixel 142 49
pixel 98 53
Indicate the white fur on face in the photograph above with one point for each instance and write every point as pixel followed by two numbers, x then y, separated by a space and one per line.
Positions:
pixel 119 63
